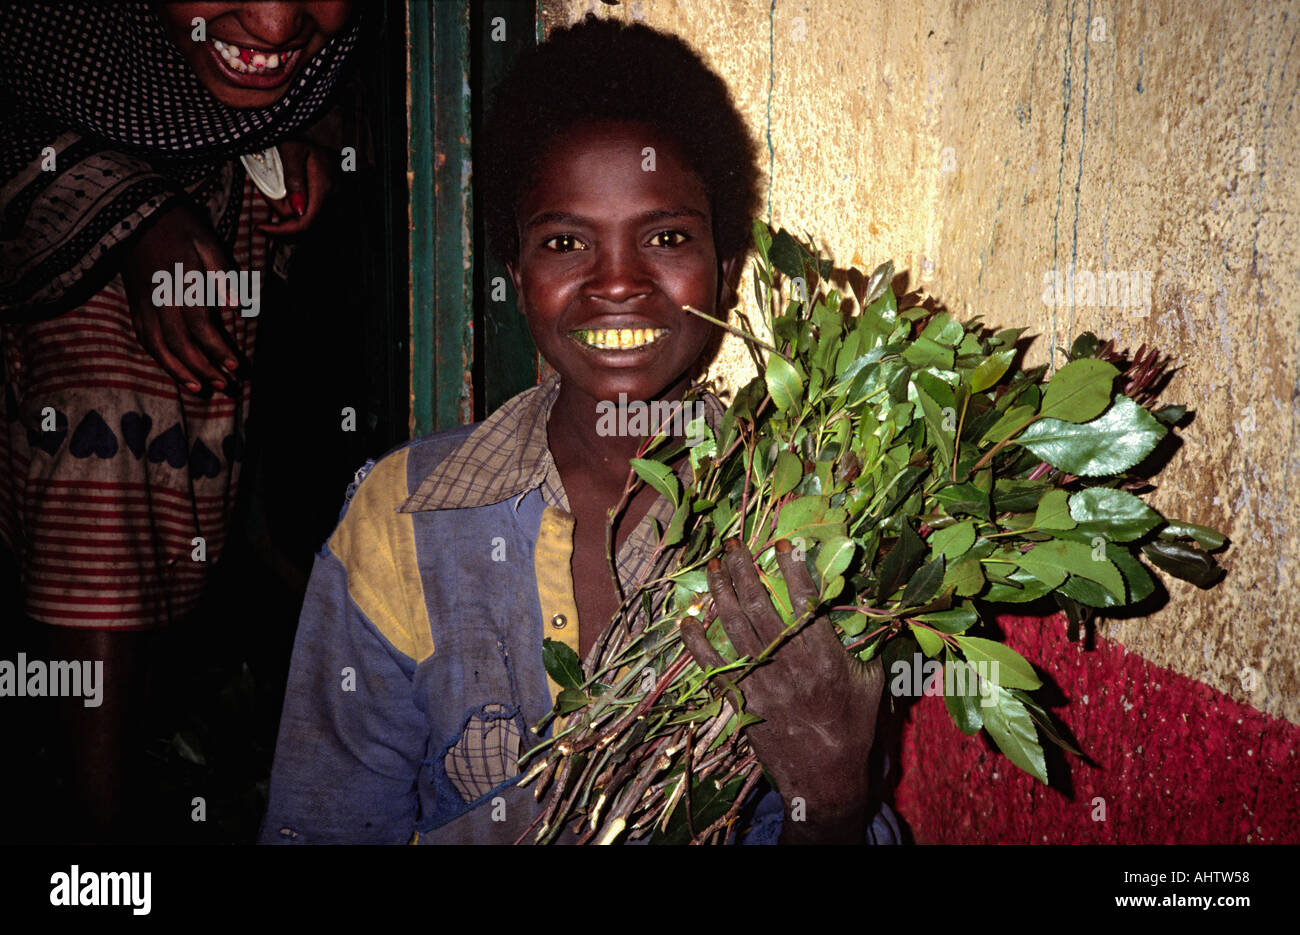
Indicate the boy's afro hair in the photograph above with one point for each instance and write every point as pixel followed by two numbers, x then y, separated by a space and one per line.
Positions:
pixel 603 69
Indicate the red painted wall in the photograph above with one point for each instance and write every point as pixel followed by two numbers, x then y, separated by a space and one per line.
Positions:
pixel 1176 761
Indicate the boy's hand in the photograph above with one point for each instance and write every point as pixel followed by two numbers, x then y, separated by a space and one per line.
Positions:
pixel 309 178
pixel 188 342
pixel 818 704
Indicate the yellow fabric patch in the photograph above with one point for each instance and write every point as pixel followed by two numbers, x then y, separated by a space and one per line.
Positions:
pixel 376 545
pixel 554 572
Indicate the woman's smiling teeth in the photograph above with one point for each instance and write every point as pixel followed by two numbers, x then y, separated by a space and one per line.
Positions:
pixel 249 62
pixel 620 339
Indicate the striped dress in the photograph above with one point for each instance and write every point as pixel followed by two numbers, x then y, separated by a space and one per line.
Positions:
pixel 116 485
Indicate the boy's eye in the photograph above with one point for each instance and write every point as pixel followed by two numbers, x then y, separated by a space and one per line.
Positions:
pixel 670 239
pixel 563 243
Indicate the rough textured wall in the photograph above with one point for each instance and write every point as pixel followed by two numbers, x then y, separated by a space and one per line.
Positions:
pixel 984 145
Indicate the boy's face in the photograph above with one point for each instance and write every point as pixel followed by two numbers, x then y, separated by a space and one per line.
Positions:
pixel 615 237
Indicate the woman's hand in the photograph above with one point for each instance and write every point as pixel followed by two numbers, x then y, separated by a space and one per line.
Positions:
pixel 187 341
pixel 309 177
pixel 818 704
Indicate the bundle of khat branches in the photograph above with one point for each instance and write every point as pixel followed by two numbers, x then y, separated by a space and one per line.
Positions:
pixel 925 477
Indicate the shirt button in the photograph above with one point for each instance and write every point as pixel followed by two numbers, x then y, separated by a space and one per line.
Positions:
pixel 559 621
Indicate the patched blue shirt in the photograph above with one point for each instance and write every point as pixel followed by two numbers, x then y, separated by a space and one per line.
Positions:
pixel 417 668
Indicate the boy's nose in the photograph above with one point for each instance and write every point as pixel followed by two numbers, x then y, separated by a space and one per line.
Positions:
pixel 276 24
pixel 619 275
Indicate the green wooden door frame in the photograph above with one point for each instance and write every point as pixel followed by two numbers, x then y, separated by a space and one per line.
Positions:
pixel 470 349
pixel 441 224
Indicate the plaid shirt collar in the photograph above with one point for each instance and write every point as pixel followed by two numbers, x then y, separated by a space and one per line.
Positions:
pixel 507 455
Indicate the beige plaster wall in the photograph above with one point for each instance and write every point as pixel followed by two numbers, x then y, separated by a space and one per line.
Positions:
pixel 982 145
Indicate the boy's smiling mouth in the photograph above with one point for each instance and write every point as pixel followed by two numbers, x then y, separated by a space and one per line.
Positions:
pixel 618 339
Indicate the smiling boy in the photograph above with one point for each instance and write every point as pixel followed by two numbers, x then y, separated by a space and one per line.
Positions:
pixel 621 187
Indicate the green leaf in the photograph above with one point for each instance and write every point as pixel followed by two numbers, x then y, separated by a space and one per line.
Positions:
pixel 562 664
pixel 1012 729
pixel 879 281
pixel 1110 444
pixel 786 254
pixel 762 239
pixel 1054 511
pixel 659 476
pixel 964 709
pixel 1087 592
pixel 1085 345
pixel 966 576
pixel 1117 514
pixel 1046 725
pixel 955 541
pixel 940 437
pixel 901 561
pixel 1013 670
pixel 834 557
pixel 1170 415
pixel 1079 391
pixel 924 352
pixel 786 474
pixel 1184 561
pixel 1023 587
pixel 1206 537
pixel 964 499
pixel 938 390
pixel 1011 422
pixel 673 534
pixel 943 330
pixel 991 370
pixel 799 514
pixel 930 642
pixel 1136 576
pixel 784 382
pixel 1016 496
pixel 709 802
pixel 570 700
pixel 924 584
pixel 956 620
pixel 1050 561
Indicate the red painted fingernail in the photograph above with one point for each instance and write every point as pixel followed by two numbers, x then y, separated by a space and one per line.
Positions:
pixel 298 201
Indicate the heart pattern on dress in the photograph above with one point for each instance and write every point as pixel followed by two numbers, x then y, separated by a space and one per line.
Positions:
pixel 50 441
pixel 169 447
pixel 135 431
pixel 93 437
pixel 203 463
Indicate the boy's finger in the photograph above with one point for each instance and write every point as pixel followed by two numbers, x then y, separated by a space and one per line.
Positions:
pixel 754 599
pixel 698 645
pixel 803 599
pixel 734 621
